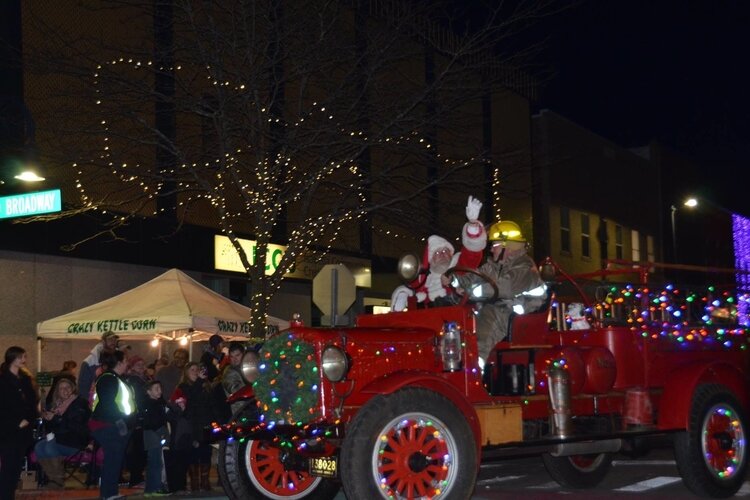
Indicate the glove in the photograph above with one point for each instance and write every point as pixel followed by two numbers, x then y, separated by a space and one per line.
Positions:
pixel 473 206
pixel 122 427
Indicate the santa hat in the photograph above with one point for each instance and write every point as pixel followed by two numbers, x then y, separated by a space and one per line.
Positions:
pixel 435 243
pixel 474 237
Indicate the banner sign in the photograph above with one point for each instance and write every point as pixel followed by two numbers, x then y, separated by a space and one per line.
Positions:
pixel 23 205
pixel 113 325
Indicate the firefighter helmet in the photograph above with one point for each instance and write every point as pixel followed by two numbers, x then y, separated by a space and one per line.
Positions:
pixel 506 231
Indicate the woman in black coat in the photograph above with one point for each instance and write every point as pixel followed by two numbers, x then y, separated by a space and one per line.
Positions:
pixel 193 397
pixel 66 427
pixel 18 412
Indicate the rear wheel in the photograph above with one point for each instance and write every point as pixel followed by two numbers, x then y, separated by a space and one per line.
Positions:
pixel 712 454
pixel 578 471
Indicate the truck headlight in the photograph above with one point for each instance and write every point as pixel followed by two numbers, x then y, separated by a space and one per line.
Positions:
pixel 335 363
pixel 250 362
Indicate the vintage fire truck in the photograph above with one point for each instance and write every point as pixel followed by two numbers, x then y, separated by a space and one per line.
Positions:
pixel 398 407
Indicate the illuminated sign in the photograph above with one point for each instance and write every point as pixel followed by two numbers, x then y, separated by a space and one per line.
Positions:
pixel 227 259
pixel 22 205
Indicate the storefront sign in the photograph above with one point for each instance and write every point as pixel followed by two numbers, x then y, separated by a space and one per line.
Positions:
pixel 22 205
pixel 227 259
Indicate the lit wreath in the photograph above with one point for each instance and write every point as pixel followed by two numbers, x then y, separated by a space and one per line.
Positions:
pixel 287 383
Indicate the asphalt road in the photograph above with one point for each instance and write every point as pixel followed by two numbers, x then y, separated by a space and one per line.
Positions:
pixel 653 476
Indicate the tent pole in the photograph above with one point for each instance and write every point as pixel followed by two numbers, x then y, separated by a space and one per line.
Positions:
pixel 190 346
pixel 39 354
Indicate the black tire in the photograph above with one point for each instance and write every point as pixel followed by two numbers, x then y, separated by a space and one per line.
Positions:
pixel 241 474
pixel 370 465
pixel 712 454
pixel 578 471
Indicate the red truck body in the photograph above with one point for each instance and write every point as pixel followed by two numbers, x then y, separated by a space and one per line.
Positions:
pixel 619 382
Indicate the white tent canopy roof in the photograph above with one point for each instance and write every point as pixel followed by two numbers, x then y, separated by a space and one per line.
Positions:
pixel 170 305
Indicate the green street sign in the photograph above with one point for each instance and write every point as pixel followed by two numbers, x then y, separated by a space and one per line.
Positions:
pixel 22 205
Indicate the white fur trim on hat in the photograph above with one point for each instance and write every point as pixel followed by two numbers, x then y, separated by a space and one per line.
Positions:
pixel 435 243
pixel 474 237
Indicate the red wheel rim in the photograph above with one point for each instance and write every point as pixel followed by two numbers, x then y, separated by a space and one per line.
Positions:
pixel 415 456
pixel 585 462
pixel 723 441
pixel 268 474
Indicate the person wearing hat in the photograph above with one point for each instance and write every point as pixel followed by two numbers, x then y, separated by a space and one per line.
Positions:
pixel 520 287
pixel 89 366
pixel 439 256
pixel 213 356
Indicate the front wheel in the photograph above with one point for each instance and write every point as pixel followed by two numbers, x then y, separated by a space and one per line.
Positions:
pixel 578 471
pixel 253 470
pixel 411 444
pixel 712 454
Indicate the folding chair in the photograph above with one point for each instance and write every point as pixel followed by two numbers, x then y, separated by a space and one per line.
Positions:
pixel 88 460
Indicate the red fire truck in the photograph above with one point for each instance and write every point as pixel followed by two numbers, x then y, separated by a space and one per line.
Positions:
pixel 398 407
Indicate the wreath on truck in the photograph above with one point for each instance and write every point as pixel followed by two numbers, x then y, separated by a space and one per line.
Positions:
pixel 288 381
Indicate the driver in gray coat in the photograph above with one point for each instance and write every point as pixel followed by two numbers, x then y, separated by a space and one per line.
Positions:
pixel 520 288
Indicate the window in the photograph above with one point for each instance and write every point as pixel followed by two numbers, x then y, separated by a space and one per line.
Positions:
pixel 618 242
pixel 564 230
pixel 636 245
pixel 650 254
pixel 585 236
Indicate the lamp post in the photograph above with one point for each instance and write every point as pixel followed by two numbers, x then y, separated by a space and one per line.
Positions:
pixel 690 203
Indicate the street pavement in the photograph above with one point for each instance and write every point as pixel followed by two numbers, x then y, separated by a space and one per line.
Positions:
pixel 652 477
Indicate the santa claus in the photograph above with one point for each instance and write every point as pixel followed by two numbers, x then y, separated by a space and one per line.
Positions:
pixel 432 286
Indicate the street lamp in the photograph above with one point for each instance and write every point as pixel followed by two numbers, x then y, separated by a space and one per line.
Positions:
pixel 24 171
pixel 690 203
pixel 29 176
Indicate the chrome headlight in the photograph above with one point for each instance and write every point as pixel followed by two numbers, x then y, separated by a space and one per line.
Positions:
pixel 250 362
pixel 335 363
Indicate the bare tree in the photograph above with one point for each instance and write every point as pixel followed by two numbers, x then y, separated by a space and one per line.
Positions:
pixel 307 121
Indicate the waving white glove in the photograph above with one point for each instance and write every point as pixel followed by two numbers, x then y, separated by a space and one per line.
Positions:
pixel 473 206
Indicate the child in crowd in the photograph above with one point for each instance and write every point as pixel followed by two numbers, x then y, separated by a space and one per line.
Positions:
pixel 155 436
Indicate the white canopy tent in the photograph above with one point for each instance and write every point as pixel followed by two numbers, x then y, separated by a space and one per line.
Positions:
pixel 170 307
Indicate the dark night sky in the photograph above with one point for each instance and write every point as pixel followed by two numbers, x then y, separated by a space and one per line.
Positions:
pixel 671 70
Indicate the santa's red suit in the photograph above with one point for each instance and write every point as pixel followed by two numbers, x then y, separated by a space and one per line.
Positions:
pixel 473 238
pixel 439 257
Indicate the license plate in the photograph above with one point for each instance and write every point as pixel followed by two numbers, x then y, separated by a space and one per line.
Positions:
pixel 324 466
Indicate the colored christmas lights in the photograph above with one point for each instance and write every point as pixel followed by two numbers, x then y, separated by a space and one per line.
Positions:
pixel 287 384
pixel 711 316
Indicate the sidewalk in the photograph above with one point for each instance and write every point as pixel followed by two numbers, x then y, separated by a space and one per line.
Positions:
pixel 75 490
pixel 216 493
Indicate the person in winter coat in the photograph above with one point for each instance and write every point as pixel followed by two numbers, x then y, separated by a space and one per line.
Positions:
pixel 193 396
pixel 213 357
pixel 111 419
pixel 154 416
pixel 231 378
pixel 88 372
pixel 135 457
pixel 520 287
pixel 66 426
pixel 18 412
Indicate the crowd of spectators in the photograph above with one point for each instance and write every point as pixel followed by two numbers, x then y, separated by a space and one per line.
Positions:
pixel 150 420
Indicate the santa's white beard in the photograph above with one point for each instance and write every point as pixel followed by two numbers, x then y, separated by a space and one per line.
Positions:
pixel 440 266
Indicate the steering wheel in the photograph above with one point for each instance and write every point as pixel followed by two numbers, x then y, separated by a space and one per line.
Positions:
pixel 485 280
